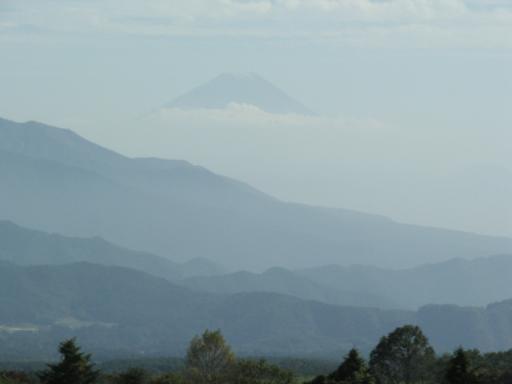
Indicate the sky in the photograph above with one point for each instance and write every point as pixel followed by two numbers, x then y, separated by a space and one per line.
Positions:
pixel 412 96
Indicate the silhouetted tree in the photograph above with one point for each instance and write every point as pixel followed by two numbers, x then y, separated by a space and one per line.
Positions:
pixel 74 367
pixel 403 356
pixel 352 370
pixel 459 370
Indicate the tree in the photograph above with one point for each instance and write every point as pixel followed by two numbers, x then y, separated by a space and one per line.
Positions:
pixel 133 376
pixel 458 370
pixel 13 377
pixel 352 370
pixel 169 378
pixel 74 367
pixel 259 372
pixel 403 356
pixel 209 359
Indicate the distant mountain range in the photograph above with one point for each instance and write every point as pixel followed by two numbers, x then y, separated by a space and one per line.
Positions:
pixel 23 246
pixel 53 180
pixel 248 89
pixel 463 282
pixel 122 312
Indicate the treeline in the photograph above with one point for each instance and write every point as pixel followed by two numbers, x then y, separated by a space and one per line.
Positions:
pixel 402 357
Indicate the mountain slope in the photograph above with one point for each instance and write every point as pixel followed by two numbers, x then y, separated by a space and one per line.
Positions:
pixel 23 246
pixel 462 282
pixel 457 281
pixel 282 281
pixel 248 89
pixel 51 179
pixel 122 311
pixel 117 312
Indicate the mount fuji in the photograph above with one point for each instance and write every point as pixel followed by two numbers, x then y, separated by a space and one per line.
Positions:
pixel 248 89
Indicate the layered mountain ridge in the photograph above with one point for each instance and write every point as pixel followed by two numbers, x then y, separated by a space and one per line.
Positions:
pixel 53 180
pixel 115 311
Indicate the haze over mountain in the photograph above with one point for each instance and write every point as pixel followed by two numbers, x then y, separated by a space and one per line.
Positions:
pixel 54 180
pixel 457 281
pixel 247 89
pixel 23 246
pixel 413 114
pixel 475 282
pixel 462 282
pixel 121 312
pixel 283 281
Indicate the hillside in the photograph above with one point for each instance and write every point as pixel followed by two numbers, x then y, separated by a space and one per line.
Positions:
pixel 29 247
pixel 283 281
pixel 118 312
pixel 464 282
pixel 53 180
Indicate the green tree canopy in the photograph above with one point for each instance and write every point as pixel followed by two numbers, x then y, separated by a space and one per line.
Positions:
pixel 259 372
pixel 459 369
pixel 74 367
pixel 403 356
pixel 209 359
pixel 352 370
pixel 133 376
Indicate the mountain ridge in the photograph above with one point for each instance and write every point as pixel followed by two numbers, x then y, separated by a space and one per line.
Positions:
pixel 25 247
pixel 184 212
pixel 115 311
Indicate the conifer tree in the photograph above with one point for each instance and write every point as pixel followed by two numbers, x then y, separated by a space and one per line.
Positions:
pixel 352 370
pixel 459 371
pixel 74 367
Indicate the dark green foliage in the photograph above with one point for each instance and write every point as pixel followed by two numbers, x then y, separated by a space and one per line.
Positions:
pixel 259 372
pixel 321 379
pixel 169 378
pixel 74 367
pixel 352 370
pixel 13 377
pixel 133 376
pixel 404 356
pixel 459 370
pixel 157 365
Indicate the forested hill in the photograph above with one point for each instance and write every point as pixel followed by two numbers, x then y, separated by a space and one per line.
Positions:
pixel 117 311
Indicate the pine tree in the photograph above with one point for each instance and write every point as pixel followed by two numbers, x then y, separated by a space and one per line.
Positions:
pixel 352 370
pixel 459 371
pixel 74 367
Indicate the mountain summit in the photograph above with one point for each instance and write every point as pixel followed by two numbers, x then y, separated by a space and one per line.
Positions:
pixel 249 89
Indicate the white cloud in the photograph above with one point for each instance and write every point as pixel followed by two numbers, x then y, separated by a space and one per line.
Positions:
pixel 360 22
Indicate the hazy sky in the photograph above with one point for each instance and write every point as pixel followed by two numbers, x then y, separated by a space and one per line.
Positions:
pixel 414 96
